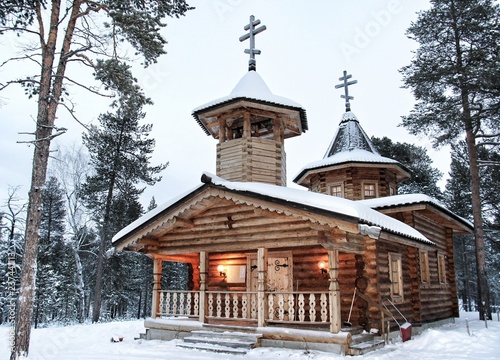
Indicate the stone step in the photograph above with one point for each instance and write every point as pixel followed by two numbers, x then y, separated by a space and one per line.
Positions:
pixel 213 348
pixel 366 347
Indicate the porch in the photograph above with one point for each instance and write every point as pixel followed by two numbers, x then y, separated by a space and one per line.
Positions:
pixel 261 295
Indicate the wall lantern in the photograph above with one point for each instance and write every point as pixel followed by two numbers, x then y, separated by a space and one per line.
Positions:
pixel 322 267
pixel 222 270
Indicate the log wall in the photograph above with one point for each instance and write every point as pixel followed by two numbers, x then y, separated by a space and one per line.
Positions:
pixel 352 180
pixel 252 159
pixel 438 300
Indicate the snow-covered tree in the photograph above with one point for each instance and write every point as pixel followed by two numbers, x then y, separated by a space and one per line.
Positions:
pixel 454 76
pixel 424 177
pixel 120 152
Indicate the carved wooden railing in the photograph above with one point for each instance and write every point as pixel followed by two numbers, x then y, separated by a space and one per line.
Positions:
pixel 284 307
pixel 298 307
pixel 179 303
pixel 232 305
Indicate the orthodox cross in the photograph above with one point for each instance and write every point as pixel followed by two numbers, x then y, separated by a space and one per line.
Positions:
pixel 345 85
pixel 251 35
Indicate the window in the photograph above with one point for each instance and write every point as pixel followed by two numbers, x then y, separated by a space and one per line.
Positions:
pixel 425 276
pixel 369 191
pixel 336 190
pixel 396 277
pixel 442 268
pixel 392 190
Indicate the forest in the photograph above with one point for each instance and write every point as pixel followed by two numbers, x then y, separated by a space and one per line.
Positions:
pixel 65 222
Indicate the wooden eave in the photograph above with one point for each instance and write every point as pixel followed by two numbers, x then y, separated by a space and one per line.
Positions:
pixel 400 171
pixel 431 211
pixel 208 118
pixel 218 220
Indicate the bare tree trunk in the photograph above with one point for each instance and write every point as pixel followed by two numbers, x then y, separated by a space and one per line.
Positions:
pixel 475 185
pixel 80 287
pixel 96 310
pixel 482 279
pixel 48 98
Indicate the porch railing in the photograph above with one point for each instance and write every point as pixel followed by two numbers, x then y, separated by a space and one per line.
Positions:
pixel 179 303
pixel 286 307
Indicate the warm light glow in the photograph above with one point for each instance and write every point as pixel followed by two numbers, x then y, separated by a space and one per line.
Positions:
pixel 322 267
pixel 222 270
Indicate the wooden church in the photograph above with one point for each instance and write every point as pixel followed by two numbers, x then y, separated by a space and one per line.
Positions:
pixel 290 267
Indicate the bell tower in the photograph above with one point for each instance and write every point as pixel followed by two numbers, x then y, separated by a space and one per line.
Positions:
pixel 251 124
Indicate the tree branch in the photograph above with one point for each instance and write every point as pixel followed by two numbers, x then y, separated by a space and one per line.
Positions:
pixel 89 88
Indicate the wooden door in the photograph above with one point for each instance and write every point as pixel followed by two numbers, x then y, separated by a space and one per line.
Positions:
pixel 279 272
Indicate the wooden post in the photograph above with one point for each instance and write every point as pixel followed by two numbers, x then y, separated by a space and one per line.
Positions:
pixel 157 272
pixel 333 266
pixel 278 129
pixel 203 286
pixel 246 125
pixel 261 286
pixel 222 130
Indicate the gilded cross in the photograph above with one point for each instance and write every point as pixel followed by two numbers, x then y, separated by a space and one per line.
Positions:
pixel 345 85
pixel 251 35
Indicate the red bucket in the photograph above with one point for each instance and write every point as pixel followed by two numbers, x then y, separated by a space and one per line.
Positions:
pixel 406 331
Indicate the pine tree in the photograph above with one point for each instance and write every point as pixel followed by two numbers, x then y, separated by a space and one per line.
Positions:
pixel 60 33
pixel 458 198
pixel 52 279
pixel 455 78
pixel 120 152
pixel 424 177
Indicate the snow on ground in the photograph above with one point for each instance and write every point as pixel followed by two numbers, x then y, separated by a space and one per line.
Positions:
pixel 92 342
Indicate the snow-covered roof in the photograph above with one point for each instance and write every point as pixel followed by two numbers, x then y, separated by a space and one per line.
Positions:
pixel 350 144
pixel 350 136
pixel 358 155
pixel 347 208
pixel 251 86
pixel 410 199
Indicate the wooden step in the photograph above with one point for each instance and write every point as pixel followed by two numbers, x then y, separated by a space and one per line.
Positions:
pixel 230 342
pixel 243 336
pixel 213 348
pixel 366 347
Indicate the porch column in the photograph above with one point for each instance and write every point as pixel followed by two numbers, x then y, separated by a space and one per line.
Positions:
pixel 334 291
pixel 203 286
pixel 261 286
pixel 157 272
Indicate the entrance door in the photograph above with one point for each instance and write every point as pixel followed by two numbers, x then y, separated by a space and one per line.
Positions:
pixel 279 272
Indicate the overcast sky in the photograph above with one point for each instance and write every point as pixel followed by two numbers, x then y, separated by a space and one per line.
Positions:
pixel 305 49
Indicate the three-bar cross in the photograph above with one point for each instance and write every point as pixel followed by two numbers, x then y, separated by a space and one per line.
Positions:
pixel 345 85
pixel 251 35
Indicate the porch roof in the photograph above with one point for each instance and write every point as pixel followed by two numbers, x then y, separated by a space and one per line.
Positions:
pixel 422 202
pixel 316 203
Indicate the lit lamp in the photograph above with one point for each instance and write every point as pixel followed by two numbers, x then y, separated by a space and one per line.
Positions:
pixel 222 270
pixel 322 267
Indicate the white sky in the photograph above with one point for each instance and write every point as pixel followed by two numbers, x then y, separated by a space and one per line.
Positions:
pixel 305 49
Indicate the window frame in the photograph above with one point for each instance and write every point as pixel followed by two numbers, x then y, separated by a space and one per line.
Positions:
pixel 337 184
pixel 441 262
pixel 375 189
pixel 425 275
pixel 396 271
